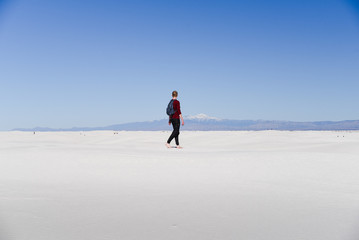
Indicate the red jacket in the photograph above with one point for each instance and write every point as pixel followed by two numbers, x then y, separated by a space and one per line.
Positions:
pixel 177 108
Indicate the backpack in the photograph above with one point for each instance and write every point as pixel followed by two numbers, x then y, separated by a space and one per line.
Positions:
pixel 170 111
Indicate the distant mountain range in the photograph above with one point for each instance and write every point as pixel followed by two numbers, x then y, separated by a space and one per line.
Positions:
pixel 202 122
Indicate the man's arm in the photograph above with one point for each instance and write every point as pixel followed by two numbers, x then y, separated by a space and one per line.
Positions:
pixel 180 113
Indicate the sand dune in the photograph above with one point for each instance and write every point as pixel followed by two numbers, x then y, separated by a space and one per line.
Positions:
pixel 222 185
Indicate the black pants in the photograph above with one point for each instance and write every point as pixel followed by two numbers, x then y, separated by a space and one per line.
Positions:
pixel 176 126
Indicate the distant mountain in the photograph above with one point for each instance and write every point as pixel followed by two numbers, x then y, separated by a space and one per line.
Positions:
pixel 202 122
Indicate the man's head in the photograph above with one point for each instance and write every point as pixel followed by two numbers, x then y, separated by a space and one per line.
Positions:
pixel 174 94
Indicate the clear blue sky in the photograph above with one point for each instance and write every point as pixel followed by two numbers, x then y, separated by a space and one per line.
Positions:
pixel 96 63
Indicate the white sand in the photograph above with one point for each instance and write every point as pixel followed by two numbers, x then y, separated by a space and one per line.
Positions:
pixel 266 185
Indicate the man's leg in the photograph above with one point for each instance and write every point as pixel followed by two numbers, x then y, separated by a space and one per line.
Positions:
pixel 175 132
pixel 176 127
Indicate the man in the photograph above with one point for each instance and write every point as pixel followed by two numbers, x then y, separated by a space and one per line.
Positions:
pixel 175 120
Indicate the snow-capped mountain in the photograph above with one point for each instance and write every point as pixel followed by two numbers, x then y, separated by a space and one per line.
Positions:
pixel 201 117
pixel 203 122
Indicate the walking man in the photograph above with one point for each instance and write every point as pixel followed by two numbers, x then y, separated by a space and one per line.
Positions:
pixel 174 119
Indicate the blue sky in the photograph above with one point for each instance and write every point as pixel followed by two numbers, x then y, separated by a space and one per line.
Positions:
pixel 96 63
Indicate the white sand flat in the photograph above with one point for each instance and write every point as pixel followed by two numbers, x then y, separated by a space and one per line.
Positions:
pixel 266 185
